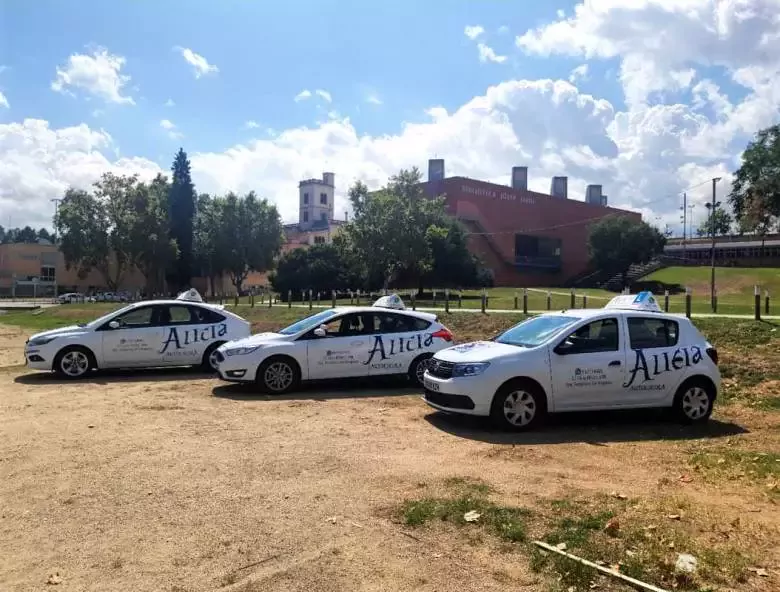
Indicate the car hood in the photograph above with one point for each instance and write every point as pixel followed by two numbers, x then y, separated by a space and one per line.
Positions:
pixel 70 330
pixel 258 339
pixel 477 351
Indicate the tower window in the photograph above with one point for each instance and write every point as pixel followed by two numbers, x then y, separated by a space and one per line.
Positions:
pixel 305 198
pixel 306 216
pixel 323 198
pixel 319 240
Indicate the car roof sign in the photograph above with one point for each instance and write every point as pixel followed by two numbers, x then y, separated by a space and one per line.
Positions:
pixel 390 301
pixel 644 301
pixel 191 295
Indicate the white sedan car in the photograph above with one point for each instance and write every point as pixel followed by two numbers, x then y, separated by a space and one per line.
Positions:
pixel 181 332
pixel 627 355
pixel 350 342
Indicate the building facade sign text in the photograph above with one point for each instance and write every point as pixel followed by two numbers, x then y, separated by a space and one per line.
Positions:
pixel 492 193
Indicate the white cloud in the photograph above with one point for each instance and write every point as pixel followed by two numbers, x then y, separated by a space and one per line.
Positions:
pixel 39 163
pixel 251 124
pixel 4 101
pixel 487 54
pixel 324 95
pixel 170 103
pixel 373 99
pixel 579 73
pixel 503 29
pixel 302 96
pixel 170 127
pixel 200 65
pixel 473 31
pixel 97 74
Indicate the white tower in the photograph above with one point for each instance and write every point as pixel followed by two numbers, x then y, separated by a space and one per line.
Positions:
pixel 315 202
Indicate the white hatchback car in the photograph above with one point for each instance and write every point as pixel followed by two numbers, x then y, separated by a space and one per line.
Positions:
pixel 349 342
pixel 627 355
pixel 181 332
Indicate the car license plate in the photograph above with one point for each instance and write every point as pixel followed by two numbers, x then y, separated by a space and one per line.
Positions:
pixel 431 386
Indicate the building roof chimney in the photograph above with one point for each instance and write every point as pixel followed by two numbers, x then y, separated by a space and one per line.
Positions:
pixel 435 169
pixel 593 194
pixel 559 187
pixel 520 178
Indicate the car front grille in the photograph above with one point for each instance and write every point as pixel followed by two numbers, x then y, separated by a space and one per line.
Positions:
pixel 440 368
pixel 449 401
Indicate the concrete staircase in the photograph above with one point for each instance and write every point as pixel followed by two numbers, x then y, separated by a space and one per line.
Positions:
pixel 635 272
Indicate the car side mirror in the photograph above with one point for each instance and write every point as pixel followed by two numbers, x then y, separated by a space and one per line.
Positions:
pixel 565 347
pixel 114 325
pixel 320 332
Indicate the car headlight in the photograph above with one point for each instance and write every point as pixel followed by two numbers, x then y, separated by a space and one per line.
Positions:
pixel 40 341
pixel 241 351
pixel 474 369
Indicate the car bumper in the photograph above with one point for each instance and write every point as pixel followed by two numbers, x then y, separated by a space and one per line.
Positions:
pixel 36 359
pixel 235 369
pixel 457 395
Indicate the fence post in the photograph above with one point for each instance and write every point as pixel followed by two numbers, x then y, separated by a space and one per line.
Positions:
pixel 766 302
pixel 757 291
pixel 289 298
pixel 434 299
pixel 573 299
pixel 666 300
pixel 414 300
pixel 715 301
pixel 270 299
pixel 484 299
pixel 446 300
pixel 460 298
pixel 584 301
pixel 310 303
pixel 515 299
pixel 351 298
pixel 549 300
pixel 525 301
pixel 333 298
pixel 688 302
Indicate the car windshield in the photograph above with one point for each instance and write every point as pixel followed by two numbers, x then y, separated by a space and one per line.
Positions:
pixel 100 320
pixel 534 331
pixel 308 322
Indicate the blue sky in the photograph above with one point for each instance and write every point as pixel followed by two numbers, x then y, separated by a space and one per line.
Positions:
pixel 644 97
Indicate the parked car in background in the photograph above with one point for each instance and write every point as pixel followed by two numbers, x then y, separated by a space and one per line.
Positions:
pixel 627 355
pixel 349 342
pixel 181 332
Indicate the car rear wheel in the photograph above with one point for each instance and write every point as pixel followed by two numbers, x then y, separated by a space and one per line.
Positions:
pixel 693 402
pixel 518 405
pixel 278 375
pixel 209 362
pixel 74 362
pixel 417 369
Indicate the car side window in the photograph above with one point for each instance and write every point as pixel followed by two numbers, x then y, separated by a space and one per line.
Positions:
pixel 136 318
pixel 388 322
pixel 348 325
pixel 598 336
pixel 204 316
pixel 647 332
pixel 175 314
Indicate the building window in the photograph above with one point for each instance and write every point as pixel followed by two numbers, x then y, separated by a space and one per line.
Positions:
pixel 306 216
pixel 47 273
pixel 319 240
pixel 305 198
pixel 323 198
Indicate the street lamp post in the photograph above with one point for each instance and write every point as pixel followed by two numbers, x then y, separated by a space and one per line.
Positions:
pixel 711 206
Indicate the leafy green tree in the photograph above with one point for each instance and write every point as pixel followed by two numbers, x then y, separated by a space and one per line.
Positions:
pixel 320 268
pixel 720 221
pixel 211 244
pixel 758 220
pixel 759 174
pixel 181 212
pixel 251 234
pixel 44 234
pixel 615 243
pixel 2 234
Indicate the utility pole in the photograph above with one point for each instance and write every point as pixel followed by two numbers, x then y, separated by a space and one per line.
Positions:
pixel 711 206
pixel 685 221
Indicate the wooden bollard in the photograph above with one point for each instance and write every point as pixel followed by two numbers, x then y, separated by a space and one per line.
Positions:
pixel 584 301
pixel 516 299
pixel 447 300
pixel 757 291
pixel 688 302
pixel 310 303
pixel 484 300
pixel 666 300
pixel 289 298
pixel 333 298
pixel 549 301
pixel 460 298
pixel 525 301
pixel 573 299
pixel 766 302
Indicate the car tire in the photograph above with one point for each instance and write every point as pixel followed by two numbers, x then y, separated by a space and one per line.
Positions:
pixel 518 405
pixel 207 363
pixel 74 362
pixel 694 401
pixel 417 369
pixel 278 375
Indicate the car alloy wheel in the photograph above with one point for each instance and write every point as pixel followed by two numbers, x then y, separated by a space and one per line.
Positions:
pixel 278 376
pixel 74 363
pixel 695 403
pixel 519 408
pixel 212 360
pixel 417 372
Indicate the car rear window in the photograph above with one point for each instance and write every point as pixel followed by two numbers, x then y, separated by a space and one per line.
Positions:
pixel 387 322
pixel 647 332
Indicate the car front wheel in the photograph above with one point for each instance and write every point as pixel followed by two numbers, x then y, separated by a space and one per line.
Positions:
pixel 73 362
pixel 277 376
pixel 693 402
pixel 518 405
pixel 417 369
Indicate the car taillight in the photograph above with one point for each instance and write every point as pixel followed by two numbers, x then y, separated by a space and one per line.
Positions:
pixel 713 354
pixel 443 333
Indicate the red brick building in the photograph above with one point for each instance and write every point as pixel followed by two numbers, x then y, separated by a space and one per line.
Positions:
pixel 526 238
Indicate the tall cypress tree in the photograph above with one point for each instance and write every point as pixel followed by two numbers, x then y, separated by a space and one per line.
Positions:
pixel 181 209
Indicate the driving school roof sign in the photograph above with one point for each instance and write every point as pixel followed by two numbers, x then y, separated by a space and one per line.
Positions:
pixel 644 301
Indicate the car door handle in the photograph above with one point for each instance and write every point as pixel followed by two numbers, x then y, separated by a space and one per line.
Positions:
pixel 615 363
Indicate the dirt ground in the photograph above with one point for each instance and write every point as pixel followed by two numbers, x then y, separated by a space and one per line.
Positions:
pixel 172 481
